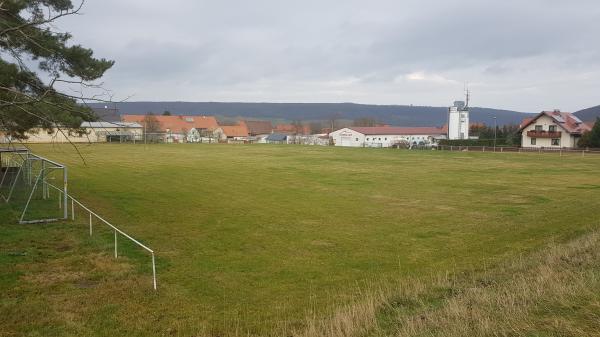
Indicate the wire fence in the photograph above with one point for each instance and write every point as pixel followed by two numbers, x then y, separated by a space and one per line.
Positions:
pixel 501 149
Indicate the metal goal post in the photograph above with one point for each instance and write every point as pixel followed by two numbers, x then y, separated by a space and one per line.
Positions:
pixel 24 183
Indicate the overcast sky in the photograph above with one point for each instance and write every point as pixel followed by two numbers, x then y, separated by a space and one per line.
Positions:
pixel 526 55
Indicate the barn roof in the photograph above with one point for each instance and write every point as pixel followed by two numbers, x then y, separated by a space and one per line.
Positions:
pixel 177 123
pixel 235 130
pixel 395 130
pixel 100 125
pixel 258 127
pixel 277 137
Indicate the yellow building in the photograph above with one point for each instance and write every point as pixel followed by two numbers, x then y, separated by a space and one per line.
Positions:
pixel 93 132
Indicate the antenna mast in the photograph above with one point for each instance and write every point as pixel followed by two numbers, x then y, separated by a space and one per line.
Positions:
pixel 468 94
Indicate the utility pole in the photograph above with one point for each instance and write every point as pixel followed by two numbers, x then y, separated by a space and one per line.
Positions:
pixel 495 130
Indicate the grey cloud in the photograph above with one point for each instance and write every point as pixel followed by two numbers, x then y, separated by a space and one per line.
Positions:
pixel 348 50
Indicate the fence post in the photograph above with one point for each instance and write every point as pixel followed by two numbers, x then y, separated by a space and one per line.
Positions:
pixel 116 244
pixel 72 209
pixel 90 223
pixel 66 195
pixel 43 180
pixel 583 153
pixel 153 271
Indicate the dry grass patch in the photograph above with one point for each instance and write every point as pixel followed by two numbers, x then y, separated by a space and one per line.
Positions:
pixel 555 292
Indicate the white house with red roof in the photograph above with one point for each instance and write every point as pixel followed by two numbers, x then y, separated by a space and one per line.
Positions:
pixel 386 136
pixel 552 129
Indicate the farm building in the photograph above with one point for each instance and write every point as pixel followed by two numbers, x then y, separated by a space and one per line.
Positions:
pixel 175 129
pixel 316 139
pixel 552 129
pixel 386 136
pixel 235 132
pixel 258 128
pixel 277 138
pixel 91 132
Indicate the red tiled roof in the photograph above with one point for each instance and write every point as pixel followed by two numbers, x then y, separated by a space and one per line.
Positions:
pixel 568 121
pixel 177 123
pixel 258 127
pixel 526 121
pixel 235 130
pixel 394 130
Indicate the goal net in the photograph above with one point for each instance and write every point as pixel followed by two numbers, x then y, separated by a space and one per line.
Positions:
pixel 35 187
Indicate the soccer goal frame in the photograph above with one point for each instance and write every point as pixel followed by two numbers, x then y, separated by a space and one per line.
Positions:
pixel 20 166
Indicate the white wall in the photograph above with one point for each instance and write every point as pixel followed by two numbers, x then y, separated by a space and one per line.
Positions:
pixel 458 124
pixel 351 138
pixel 347 137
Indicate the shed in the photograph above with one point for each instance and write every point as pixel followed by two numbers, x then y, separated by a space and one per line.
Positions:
pixel 277 138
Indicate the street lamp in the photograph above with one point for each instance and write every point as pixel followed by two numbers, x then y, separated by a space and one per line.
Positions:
pixel 495 130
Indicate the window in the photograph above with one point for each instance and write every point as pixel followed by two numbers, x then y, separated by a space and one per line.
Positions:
pixel 379 138
pixel 533 141
pixel 555 141
pixel 367 139
pixel 539 128
pixel 357 139
pixel 552 128
pixel 386 139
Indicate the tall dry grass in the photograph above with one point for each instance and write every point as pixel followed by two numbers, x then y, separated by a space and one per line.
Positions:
pixel 555 292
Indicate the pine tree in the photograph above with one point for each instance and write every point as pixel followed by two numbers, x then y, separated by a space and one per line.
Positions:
pixel 27 36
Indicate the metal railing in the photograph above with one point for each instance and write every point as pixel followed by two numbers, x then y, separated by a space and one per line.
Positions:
pixel 93 214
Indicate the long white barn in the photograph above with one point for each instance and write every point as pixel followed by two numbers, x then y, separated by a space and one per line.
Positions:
pixel 386 136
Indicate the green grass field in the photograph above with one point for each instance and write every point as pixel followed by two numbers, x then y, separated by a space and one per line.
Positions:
pixel 256 238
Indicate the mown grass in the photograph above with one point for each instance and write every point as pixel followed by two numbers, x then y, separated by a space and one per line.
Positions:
pixel 255 239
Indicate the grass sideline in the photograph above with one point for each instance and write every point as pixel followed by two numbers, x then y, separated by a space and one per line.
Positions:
pixel 254 239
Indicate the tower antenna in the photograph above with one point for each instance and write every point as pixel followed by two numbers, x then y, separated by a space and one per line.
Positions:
pixel 468 94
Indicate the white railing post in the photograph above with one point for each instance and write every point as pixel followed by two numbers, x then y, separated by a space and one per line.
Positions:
pixel 72 209
pixel 65 183
pixel 116 230
pixel 153 271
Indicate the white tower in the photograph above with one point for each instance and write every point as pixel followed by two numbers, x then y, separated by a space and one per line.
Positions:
pixel 458 120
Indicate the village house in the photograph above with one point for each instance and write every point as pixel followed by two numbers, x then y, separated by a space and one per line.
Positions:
pixel 552 129
pixel 235 133
pixel 175 129
pixel 387 136
pixel 205 135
